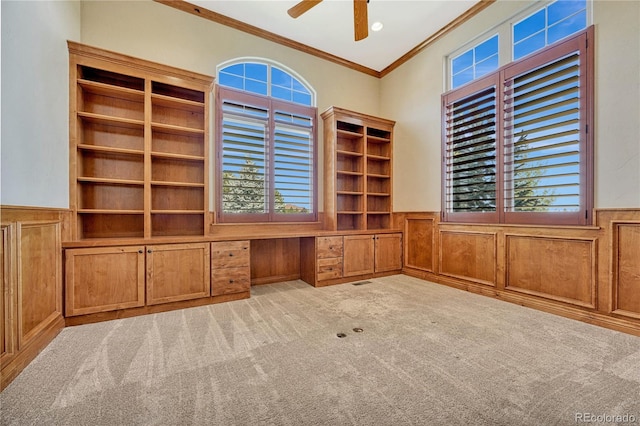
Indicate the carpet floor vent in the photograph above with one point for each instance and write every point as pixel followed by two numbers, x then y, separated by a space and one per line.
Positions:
pixel 362 283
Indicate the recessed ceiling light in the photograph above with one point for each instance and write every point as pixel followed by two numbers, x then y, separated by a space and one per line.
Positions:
pixel 377 26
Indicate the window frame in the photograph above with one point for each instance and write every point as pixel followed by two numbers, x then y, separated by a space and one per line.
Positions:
pixel 271 104
pixel 582 41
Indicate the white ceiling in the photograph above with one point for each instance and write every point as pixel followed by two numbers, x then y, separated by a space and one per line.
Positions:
pixel 329 25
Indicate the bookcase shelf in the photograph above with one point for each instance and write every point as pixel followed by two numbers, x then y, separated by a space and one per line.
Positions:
pixel 358 169
pixel 139 147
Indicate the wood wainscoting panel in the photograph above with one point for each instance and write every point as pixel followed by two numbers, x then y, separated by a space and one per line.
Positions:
pixel 419 243
pixel 558 268
pixel 469 255
pixel 7 295
pixel 39 278
pixel 626 268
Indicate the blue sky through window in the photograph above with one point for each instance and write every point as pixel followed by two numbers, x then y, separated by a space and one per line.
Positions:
pixel 475 62
pixel 267 80
pixel 548 25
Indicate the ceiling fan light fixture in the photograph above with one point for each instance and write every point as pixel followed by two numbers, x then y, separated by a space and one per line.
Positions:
pixel 376 26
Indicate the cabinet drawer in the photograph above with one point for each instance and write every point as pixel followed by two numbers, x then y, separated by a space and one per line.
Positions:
pixel 329 268
pixel 329 247
pixel 230 280
pixel 230 254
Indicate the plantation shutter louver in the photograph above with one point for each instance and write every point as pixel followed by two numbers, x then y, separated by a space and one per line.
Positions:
pixel 471 151
pixel 244 159
pixel 542 143
pixel 293 163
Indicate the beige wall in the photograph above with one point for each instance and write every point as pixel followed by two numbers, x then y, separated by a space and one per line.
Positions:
pixel 411 95
pixel 35 101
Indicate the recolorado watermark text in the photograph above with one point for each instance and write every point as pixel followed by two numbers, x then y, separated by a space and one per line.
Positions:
pixel 605 418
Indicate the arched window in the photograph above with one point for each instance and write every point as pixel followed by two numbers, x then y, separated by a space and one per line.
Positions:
pixel 265 144
pixel 267 79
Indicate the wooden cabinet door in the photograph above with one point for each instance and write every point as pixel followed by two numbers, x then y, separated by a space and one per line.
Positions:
pixel 388 249
pixel 358 255
pixel 178 272
pixel 103 279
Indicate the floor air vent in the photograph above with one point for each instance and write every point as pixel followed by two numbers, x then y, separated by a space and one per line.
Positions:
pixel 362 283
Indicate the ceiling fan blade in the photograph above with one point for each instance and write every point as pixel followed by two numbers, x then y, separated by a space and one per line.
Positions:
pixel 302 7
pixel 360 19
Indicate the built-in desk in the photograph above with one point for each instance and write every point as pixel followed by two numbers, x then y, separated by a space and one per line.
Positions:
pixel 115 278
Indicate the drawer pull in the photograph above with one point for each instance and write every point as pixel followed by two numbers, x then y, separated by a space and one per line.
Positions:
pixel 230 254
pixel 230 281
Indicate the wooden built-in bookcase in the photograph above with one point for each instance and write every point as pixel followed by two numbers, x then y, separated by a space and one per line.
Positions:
pixel 358 169
pixel 138 147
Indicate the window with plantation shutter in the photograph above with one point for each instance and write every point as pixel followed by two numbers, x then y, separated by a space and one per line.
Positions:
pixel 266 159
pixel 517 147
pixel 470 151
pixel 293 163
pixel 244 160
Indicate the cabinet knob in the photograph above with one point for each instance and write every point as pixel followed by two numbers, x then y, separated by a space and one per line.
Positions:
pixel 330 247
pixel 149 251
pixel 230 254
pixel 230 281
pixel 140 251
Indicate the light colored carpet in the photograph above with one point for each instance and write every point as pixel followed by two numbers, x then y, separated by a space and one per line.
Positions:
pixel 427 355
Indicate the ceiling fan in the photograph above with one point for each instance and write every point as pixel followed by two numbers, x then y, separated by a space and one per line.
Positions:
pixel 360 20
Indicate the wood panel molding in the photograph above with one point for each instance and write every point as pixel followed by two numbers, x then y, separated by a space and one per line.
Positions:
pixel 589 273
pixel 420 246
pixel 558 268
pixel 8 306
pixel 625 268
pixel 31 283
pixel 39 277
pixel 470 255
